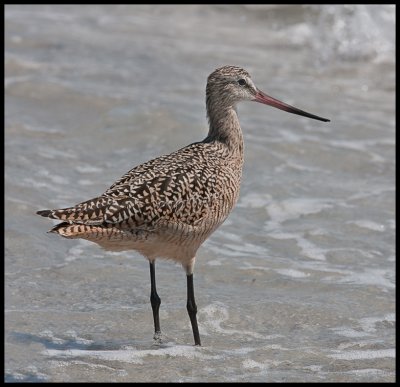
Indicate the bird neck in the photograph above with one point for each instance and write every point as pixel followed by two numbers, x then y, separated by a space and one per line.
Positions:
pixel 225 128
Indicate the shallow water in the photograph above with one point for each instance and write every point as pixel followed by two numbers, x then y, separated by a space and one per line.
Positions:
pixel 297 285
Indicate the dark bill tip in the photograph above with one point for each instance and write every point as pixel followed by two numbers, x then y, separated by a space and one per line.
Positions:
pixel 268 100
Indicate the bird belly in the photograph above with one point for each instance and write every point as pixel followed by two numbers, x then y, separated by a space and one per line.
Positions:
pixel 169 240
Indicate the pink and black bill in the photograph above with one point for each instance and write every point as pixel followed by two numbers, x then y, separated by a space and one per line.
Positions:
pixel 267 100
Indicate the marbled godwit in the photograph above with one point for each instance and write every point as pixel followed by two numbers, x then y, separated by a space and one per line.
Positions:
pixel 167 207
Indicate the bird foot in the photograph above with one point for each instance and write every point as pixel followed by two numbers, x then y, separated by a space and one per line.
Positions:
pixel 157 337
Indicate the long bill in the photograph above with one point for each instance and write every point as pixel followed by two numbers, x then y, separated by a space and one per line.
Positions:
pixel 267 100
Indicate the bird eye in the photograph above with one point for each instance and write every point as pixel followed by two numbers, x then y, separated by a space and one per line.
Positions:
pixel 242 82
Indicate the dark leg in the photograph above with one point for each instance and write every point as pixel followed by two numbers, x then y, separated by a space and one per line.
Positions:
pixel 192 309
pixel 155 301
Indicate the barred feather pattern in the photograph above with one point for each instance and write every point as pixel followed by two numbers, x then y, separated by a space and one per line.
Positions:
pixel 168 206
pixel 179 198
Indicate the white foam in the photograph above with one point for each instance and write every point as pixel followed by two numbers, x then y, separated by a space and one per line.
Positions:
pixel 224 250
pixel 300 167
pixel 249 266
pixel 53 153
pixel 369 276
pixel 292 273
pixel 238 250
pixel 135 356
pixel 30 370
pixel 362 145
pixel 308 248
pixel 63 363
pixel 369 224
pixel 254 200
pixel 86 168
pixel 314 367
pixel 50 336
pixel 34 183
pixel 80 340
pixel 74 253
pixel 368 192
pixel 8 81
pixel 367 354
pixel 289 209
pixel 249 364
pixel 368 323
pixel 42 129
pixel 214 262
pixel 350 332
pixel 214 315
pixel 240 351
pixel 368 372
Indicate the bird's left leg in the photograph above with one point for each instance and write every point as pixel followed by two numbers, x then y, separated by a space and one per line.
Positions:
pixel 191 303
pixel 155 302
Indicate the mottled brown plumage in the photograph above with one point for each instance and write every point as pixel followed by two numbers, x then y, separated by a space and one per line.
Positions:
pixel 168 206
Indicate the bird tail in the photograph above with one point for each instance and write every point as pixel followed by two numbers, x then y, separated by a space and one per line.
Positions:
pixel 70 230
pixel 69 214
pixel 89 212
pixel 85 231
pixel 45 213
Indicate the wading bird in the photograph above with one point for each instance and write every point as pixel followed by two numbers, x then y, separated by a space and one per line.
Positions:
pixel 168 206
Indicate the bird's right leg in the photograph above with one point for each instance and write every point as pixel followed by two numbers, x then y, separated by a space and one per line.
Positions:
pixel 155 302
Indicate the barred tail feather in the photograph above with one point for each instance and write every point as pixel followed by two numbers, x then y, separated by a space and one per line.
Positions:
pixel 45 213
pixel 61 214
pixel 67 230
pixel 107 237
pixel 90 212
pixel 78 230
